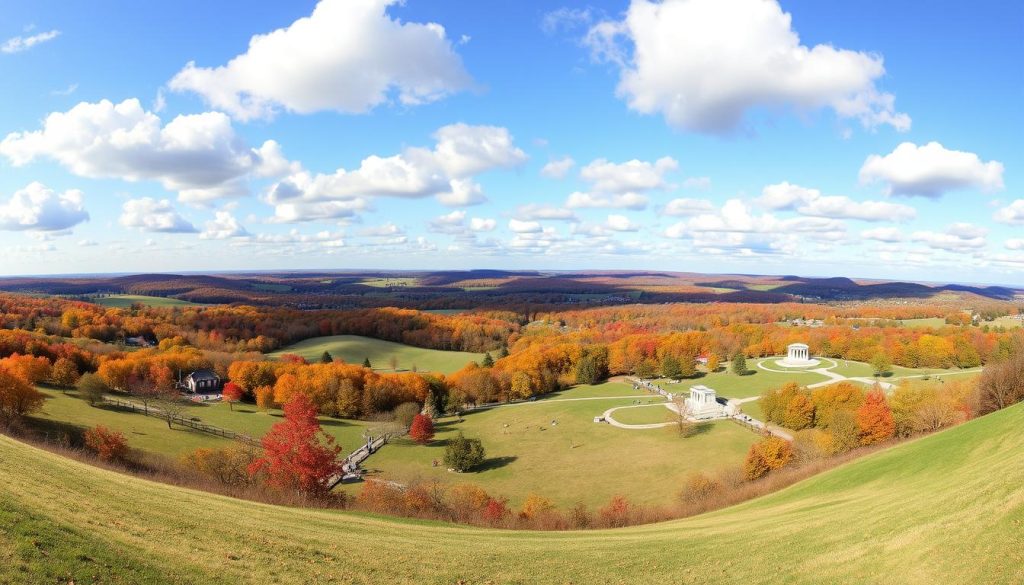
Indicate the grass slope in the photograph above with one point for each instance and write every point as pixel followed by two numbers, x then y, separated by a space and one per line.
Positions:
pixel 575 460
pixel 354 349
pixel 946 508
pixel 125 301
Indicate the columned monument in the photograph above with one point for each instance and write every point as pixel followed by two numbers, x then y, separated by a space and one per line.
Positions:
pixel 798 355
pixel 703 403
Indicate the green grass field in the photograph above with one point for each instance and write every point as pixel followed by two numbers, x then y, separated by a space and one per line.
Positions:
pixel 125 301
pixel 65 411
pixel 354 349
pixel 729 385
pixel 947 508
pixel 643 415
pixel 575 459
pixel 933 322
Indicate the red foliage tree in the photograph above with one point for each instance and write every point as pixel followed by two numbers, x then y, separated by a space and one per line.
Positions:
pixel 874 418
pixel 496 510
pixel 297 454
pixel 232 393
pixel 109 445
pixel 422 429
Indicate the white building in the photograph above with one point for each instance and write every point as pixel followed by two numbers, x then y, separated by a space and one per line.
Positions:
pixel 798 355
pixel 703 403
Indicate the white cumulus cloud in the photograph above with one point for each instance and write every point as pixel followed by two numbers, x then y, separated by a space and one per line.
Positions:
pixel 931 170
pixel 224 226
pixel 198 155
pixel 151 215
pixel 39 208
pixel 705 64
pixel 347 56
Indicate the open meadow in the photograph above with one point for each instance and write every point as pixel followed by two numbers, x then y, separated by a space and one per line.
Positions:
pixel 949 504
pixel 125 301
pixel 354 349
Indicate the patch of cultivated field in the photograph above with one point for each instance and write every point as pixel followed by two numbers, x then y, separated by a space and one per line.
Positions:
pixel 933 322
pixel 944 508
pixel 125 301
pixel 575 459
pixel 354 349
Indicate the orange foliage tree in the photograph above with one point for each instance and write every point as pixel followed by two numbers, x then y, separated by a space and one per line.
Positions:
pixel 874 418
pixel 109 445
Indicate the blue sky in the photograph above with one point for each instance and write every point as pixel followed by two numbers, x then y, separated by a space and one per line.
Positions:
pixel 864 139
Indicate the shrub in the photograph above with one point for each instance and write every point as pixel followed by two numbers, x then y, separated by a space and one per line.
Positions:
pixel 699 488
pixel 229 466
pixel 462 454
pixel 107 444
pixel 615 513
pixel 405 413
pixel 766 455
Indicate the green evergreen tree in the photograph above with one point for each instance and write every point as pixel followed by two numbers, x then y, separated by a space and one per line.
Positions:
pixel 326 358
pixel 739 364
pixel 488 361
pixel 587 371
pixel 366 363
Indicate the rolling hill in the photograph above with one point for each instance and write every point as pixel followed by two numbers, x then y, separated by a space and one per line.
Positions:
pixel 354 349
pixel 947 508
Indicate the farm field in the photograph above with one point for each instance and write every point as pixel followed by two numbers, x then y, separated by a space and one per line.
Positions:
pixel 932 322
pixel 125 301
pixel 573 460
pixel 941 508
pixel 354 349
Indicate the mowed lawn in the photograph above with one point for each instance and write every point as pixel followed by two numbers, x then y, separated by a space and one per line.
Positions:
pixel 125 301
pixel 730 385
pixel 945 508
pixel 574 459
pixel 644 414
pixel 354 349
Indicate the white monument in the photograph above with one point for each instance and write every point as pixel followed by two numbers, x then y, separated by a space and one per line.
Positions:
pixel 703 403
pixel 798 355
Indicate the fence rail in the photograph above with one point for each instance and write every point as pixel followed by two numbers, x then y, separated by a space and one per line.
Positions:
pixel 196 425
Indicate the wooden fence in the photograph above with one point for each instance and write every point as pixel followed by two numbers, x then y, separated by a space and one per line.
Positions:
pixel 194 424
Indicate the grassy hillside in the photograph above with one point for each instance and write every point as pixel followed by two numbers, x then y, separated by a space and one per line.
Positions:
pixel 948 508
pixel 354 349
pixel 576 459
pixel 125 301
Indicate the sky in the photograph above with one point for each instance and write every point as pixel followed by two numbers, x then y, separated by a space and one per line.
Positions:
pixel 869 139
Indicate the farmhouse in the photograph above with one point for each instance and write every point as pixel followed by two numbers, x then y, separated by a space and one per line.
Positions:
pixel 202 382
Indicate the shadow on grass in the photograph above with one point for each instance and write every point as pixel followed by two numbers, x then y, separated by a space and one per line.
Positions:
pixel 495 463
pixel 701 428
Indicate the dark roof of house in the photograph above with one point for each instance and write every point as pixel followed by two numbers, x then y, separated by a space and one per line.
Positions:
pixel 204 375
